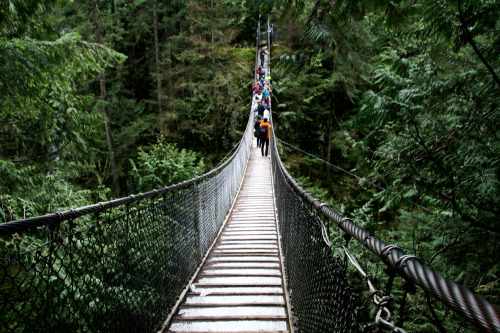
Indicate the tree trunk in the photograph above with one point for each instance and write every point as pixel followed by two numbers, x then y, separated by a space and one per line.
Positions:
pixel 157 55
pixel 330 130
pixel 169 71
pixel 102 84
pixel 218 120
pixel 212 18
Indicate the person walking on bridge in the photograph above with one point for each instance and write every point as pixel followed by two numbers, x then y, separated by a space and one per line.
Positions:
pixel 266 92
pixel 260 109
pixel 256 126
pixel 259 72
pixel 256 87
pixel 264 139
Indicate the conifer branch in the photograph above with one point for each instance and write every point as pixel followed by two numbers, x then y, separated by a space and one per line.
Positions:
pixel 470 40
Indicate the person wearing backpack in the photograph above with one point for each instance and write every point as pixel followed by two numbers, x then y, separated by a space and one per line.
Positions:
pixel 256 126
pixel 260 109
pixel 265 134
pixel 259 72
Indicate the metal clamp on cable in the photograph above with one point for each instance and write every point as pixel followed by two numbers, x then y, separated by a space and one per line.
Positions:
pixel 343 220
pixel 400 264
pixel 385 253
pixel 321 205
pixel 131 197
pixel 367 237
pixel 387 249
pixel 60 216
pixel 318 209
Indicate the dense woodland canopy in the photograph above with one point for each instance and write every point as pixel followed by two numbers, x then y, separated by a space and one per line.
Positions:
pixel 100 99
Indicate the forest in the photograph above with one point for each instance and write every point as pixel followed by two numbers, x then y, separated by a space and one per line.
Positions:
pixel 386 110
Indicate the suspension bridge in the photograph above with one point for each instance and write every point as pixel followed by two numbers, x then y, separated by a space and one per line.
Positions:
pixel 242 248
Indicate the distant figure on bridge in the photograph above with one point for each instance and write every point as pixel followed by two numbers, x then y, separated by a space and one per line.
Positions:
pixel 262 58
pixel 256 87
pixel 265 103
pixel 266 92
pixel 256 126
pixel 259 72
pixel 260 109
pixel 264 140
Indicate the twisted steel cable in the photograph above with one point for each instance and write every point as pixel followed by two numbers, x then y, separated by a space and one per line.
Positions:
pixel 461 299
pixel 123 270
pixel 32 223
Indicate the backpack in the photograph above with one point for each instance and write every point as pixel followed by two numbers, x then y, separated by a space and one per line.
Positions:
pixel 256 126
pixel 263 132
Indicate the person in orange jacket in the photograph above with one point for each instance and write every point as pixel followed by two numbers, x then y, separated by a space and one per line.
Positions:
pixel 265 135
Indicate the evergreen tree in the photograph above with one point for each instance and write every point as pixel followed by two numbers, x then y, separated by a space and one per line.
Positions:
pixel 48 138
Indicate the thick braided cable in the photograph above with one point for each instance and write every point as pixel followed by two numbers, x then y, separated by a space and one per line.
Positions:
pixel 49 219
pixel 473 307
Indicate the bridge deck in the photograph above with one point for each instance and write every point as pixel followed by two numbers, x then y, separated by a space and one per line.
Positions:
pixel 240 287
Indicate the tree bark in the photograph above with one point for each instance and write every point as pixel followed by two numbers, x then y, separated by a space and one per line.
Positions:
pixel 328 153
pixel 157 55
pixel 212 18
pixel 330 130
pixel 169 71
pixel 102 84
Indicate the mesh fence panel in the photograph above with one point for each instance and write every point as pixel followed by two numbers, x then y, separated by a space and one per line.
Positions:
pixel 119 270
pixel 321 297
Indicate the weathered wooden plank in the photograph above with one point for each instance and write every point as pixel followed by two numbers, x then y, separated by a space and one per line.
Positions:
pixel 240 286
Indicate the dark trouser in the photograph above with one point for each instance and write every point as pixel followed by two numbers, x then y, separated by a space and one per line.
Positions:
pixel 266 143
pixel 258 142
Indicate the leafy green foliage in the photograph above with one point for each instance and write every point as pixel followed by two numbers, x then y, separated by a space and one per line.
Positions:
pixel 421 120
pixel 164 164
pixel 28 193
pixel 50 142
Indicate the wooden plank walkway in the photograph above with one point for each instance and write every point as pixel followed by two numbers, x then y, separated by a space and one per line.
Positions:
pixel 240 286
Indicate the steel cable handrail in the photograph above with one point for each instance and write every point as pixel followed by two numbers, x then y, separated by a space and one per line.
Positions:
pixel 31 223
pixel 119 269
pixel 461 299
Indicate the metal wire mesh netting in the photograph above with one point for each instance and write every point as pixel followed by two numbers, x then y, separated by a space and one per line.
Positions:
pixel 306 247
pixel 117 266
pixel 321 297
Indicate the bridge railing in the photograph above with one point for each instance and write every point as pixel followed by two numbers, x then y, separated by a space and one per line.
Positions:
pixel 320 294
pixel 116 266
pixel 317 280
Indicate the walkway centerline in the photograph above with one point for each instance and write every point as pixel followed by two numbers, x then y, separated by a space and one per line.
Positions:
pixel 240 286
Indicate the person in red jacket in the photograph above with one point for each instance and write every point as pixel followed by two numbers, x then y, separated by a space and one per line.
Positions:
pixel 259 71
pixel 264 139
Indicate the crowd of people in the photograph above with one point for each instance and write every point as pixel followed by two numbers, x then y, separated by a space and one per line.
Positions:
pixel 261 106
